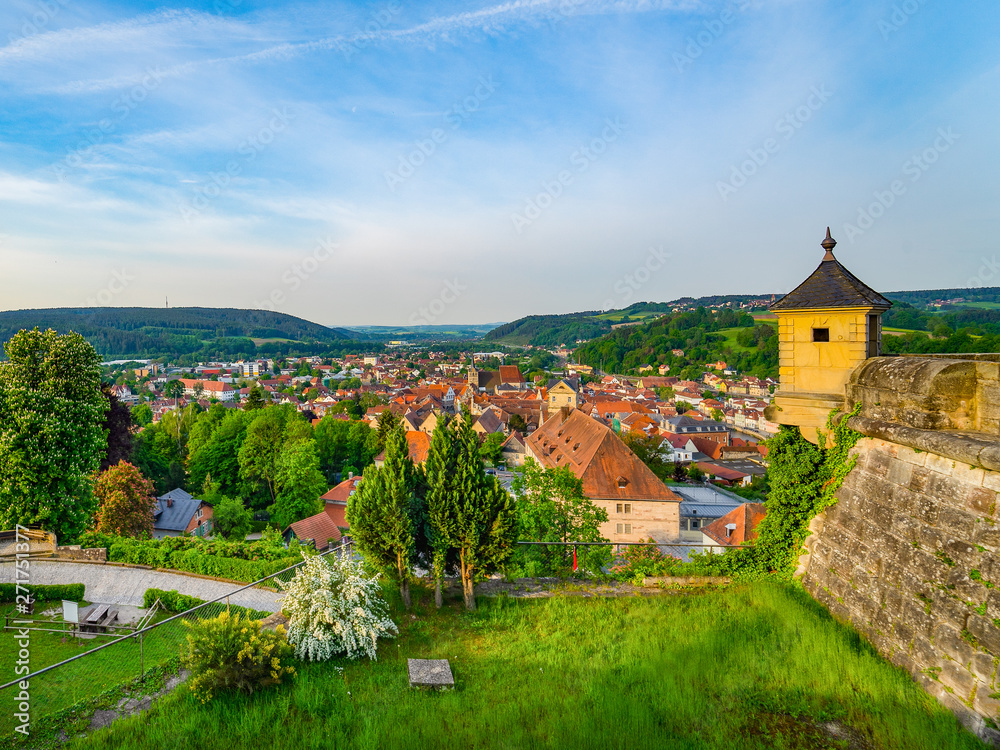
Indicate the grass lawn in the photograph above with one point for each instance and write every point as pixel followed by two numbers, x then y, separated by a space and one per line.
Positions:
pixel 84 678
pixel 751 666
pixel 730 338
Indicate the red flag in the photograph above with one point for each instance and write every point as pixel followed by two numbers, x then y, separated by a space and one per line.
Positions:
pixel 574 559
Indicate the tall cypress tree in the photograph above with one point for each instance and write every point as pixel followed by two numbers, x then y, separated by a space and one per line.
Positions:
pixel 483 524
pixel 382 514
pixel 441 469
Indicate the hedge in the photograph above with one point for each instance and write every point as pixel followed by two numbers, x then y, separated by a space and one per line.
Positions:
pixel 237 561
pixel 175 602
pixel 71 591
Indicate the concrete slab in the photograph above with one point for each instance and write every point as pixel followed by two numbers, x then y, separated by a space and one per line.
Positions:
pixel 431 673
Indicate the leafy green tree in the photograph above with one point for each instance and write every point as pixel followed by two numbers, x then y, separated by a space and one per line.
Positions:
pixel 647 449
pixel 516 422
pixel 51 434
pixel 383 514
pixel 125 502
pixel 552 507
pixel 299 482
pixel 258 455
pixel 142 414
pixel 118 427
pixel 694 473
pixel 232 518
pixel 344 446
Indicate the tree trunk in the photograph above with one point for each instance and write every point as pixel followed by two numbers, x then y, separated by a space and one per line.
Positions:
pixel 438 596
pixel 468 592
pixel 404 591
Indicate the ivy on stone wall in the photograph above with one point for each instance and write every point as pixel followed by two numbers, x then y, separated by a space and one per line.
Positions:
pixel 803 481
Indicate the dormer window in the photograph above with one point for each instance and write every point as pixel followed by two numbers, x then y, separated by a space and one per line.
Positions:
pixel 622 483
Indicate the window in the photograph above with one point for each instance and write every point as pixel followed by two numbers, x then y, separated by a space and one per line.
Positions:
pixel 619 508
pixel 619 528
pixel 628 528
pixel 821 334
pixel 200 512
pixel 628 507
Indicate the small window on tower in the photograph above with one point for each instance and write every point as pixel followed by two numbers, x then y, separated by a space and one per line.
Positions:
pixel 821 334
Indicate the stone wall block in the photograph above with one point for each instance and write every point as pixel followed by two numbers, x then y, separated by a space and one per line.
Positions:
pixel 877 463
pixel 981 501
pixel 905 527
pixel 914 614
pixel 940 464
pixel 984 667
pixel 931 539
pixel 920 478
pixel 984 704
pixel 947 490
pixel 987 535
pixel 986 633
pixel 991 480
pixel 925 508
pixel 949 641
pixel 958 678
pixel 900 472
pixel 924 655
pixel 957 522
pixel 949 610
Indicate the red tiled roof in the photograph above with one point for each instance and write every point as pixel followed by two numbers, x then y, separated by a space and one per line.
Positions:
pixel 594 453
pixel 320 528
pixel 342 491
pixel 746 519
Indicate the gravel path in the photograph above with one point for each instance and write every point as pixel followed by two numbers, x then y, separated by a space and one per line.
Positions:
pixel 113 584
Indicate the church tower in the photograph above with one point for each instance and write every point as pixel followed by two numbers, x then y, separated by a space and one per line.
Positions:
pixel 827 326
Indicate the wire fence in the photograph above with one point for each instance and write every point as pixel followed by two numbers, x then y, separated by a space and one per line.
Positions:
pixel 115 657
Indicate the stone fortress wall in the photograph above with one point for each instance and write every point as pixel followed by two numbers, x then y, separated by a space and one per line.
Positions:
pixel 910 553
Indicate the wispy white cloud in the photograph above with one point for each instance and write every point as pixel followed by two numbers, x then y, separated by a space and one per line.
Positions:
pixel 495 19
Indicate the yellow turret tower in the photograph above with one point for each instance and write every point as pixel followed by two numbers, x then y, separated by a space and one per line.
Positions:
pixel 827 326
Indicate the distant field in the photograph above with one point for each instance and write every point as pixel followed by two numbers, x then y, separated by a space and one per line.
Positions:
pixel 730 335
pixel 765 317
pixel 258 342
pixel 615 317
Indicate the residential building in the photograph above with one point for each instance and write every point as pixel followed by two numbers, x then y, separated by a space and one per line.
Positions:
pixel 178 513
pixel 638 504
pixel 735 528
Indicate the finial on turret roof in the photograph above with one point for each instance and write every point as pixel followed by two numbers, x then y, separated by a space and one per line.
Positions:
pixel 828 244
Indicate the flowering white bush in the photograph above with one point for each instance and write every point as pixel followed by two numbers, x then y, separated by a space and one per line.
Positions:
pixel 333 608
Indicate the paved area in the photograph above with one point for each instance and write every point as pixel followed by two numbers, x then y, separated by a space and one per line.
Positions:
pixel 111 584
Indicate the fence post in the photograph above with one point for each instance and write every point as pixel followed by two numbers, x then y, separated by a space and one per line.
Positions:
pixel 142 671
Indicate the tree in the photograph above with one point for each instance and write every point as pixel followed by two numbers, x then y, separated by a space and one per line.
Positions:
pixel 51 434
pixel 490 449
pixel 482 521
pixel 118 425
pixel 142 415
pixel 258 455
pixel 231 518
pixel 125 502
pixel 551 507
pixel 388 421
pixel 255 399
pixel 383 514
pixel 299 482
pixel 439 486
pixel 647 449
pixel 516 422
pixel 694 473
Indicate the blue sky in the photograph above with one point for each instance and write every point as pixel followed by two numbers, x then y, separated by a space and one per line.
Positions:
pixel 441 162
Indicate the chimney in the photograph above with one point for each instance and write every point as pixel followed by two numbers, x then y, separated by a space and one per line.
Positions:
pixel 170 502
pixel 350 475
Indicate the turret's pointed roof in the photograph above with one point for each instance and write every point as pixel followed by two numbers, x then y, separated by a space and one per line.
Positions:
pixel 831 285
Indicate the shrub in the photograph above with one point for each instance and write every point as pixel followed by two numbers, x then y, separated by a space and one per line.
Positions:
pixel 333 608
pixel 237 561
pixel 227 653
pixel 172 601
pixel 72 591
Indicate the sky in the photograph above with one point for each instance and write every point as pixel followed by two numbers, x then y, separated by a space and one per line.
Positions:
pixel 401 163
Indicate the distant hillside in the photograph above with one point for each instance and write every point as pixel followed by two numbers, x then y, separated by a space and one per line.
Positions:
pixel 149 332
pixel 553 330
pixel 686 342
pixel 456 332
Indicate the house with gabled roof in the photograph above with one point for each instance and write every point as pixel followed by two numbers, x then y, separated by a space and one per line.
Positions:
pixel 614 478
pixel 178 512
pixel 735 528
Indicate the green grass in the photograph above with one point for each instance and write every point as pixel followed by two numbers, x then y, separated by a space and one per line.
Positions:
pixel 751 666
pixel 730 337
pixel 85 678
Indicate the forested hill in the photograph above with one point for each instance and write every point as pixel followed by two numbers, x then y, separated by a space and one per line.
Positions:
pixel 703 336
pixel 149 332
pixel 553 330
